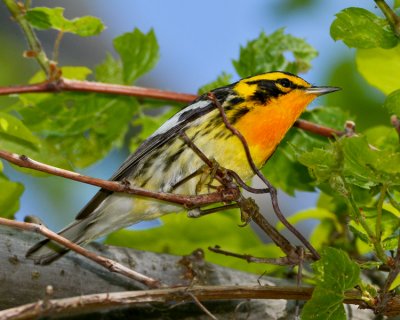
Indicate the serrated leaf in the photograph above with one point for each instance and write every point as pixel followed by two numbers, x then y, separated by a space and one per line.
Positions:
pixel 200 233
pixel 392 102
pixel 45 18
pixel 359 28
pixel 109 71
pixel 222 80
pixel 139 53
pixel 336 274
pixel 65 122
pixel 353 161
pixel 389 225
pixel 367 167
pixel 380 67
pixel 9 196
pixel 267 53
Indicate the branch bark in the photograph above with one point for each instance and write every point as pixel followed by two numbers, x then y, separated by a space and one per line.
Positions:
pixel 87 288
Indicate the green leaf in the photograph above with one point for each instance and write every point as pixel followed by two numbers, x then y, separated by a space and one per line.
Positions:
pixel 139 53
pixel 13 128
pixel 65 122
pixel 389 225
pixel 45 18
pixel 110 71
pixel 395 283
pixel 396 4
pixel 353 161
pixel 76 73
pixel 366 166
pixel 268 53
pixel 9 196
pixel 380 67
pixel 223 80
pixel 359 28
pixel 69 72
pixel 336 274
pixel 392 102
pixel 180 235
pixel 383 138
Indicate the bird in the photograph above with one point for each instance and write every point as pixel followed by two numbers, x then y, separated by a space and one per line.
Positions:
pixel 262 108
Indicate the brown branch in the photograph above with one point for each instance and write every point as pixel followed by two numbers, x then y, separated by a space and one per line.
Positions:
pixel 116 186
pixel 109 264
pixel 98 87
pixel 283 261
pixel 104 301
pixel 108 88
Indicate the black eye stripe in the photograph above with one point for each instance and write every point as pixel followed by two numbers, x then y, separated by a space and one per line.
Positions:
pixel 286 83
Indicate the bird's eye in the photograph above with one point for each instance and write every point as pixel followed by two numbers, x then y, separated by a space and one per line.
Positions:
pixel 284 83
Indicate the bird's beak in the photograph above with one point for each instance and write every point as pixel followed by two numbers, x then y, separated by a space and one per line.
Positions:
pixel 319 91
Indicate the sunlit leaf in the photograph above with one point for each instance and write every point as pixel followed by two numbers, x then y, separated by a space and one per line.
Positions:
pixel 139 53
pixel 46 18
pixel 360 28
pixel 380 67
pixel 337 273
pixel 267 53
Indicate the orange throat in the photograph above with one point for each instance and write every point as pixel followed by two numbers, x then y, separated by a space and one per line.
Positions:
pixel 265 126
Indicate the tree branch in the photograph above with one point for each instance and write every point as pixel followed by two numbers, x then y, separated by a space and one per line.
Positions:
pixel 117 186
pixel 105 301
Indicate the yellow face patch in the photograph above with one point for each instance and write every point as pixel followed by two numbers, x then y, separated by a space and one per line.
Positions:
pixel 248 87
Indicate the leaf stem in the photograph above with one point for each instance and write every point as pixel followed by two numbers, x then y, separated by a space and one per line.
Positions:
pixel 17 10
pixel 379 205
pixel 380 253
pixel 56 49
pixel 390 15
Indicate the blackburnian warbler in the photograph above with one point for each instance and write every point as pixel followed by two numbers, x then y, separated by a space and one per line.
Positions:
pixel 261 107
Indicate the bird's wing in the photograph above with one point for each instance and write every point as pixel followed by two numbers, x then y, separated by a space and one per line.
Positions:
pixel 168 131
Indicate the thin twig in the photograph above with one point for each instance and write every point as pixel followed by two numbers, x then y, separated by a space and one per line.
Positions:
pixel 17 11
pixel 104 301
pixel 390 15
pixel 116 186
pixel 282 261
pixel 386 295
pixel 272 190
pixel 109 264
pixel 202 307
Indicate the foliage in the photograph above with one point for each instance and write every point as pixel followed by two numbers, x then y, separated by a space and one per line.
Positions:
pixel 357 176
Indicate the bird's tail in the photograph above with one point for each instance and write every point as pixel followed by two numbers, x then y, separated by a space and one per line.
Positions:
pixel 46 251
